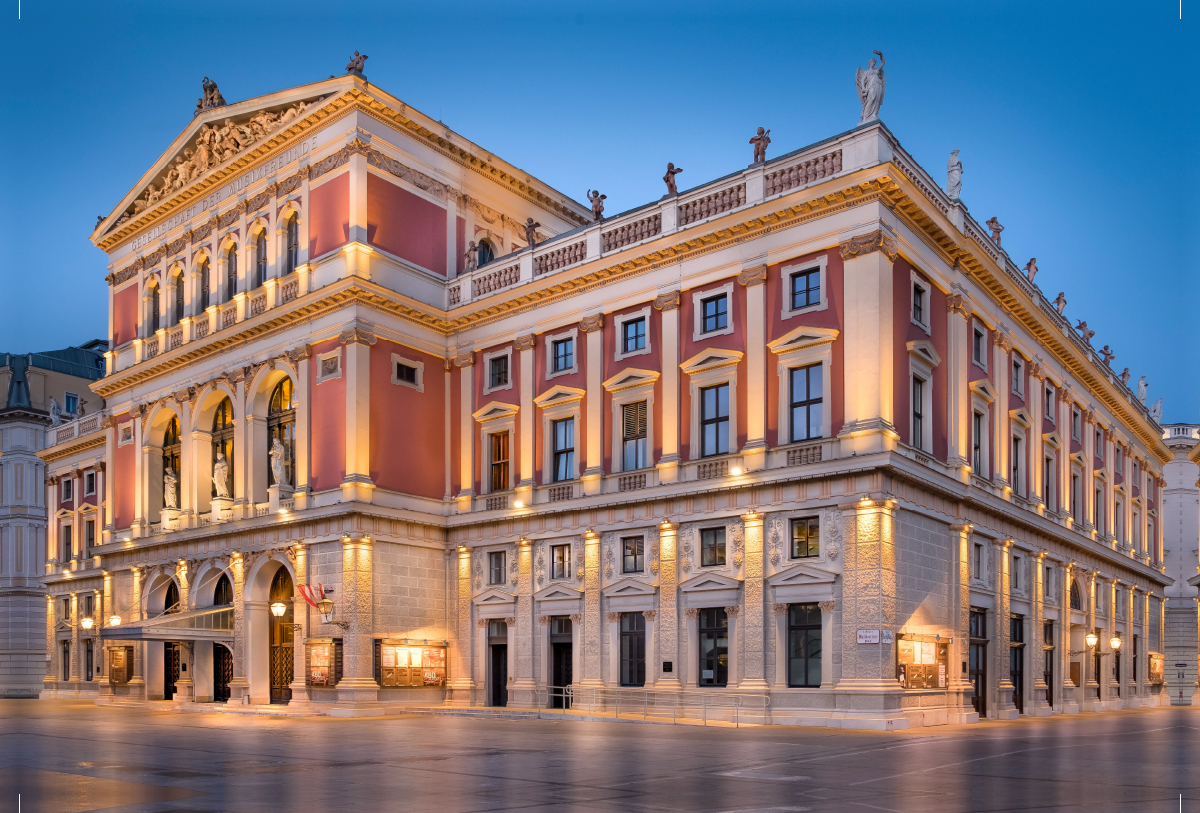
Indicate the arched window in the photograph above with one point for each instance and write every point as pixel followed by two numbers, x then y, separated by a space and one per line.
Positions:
pixel 281 425
pixel 154 309
pixel 222 442
pixel 292 258
pixel 204 285
pixel 231 273
pixel 178 315
pixel 260 259
pixel 486 253
pixel 171 602
pixel 223 596
pixel 1076 600
pixel 170 460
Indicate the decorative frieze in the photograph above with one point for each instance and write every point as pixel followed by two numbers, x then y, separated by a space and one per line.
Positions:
pixel 418 179
pixel 466 359
pixel 753 276
pixel 865 244
pixel 524 342
pixel 590 324
pixel 667 302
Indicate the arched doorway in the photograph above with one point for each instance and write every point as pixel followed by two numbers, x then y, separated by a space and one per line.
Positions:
pixel 282 639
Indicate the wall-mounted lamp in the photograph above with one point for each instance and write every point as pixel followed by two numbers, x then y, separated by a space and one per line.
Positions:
pixel 1091 639
pixel 278 608
pixel 1115 643
pixel 86 623
pixel 114 620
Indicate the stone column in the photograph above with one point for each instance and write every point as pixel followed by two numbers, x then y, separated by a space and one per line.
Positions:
pixel 593 473
pixel 1071 694
pixel 51 679
pixel 754 453
pixel 1087 488
pixel 1005 708
pixel 357 608
pixel 828 633
pixel 958 685
pixel 461 682
pixel 752 626
pixel 106 610
pixel 523 476
pixel 358 145
pixel 301 357
pixel 1039 707
pixel 74 672
pixel 465 361
pixel 139 480
pixel 299 685
pixel 1035 400
pixel 651 641
pixel 958 414
pixel 576 648
pixel 668 464
pixel 522 688
pixel 243 448
pixel 869 409
pixel 239 684
pixel 614 648
pixel 668 609
pixel 735 662
pixel 357 484
pixel 591 610
pixel 1002 435
pixel 544 665
pixel 1093 695
pixel 780 614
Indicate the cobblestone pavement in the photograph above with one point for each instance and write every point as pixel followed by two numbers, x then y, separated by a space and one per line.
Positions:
pixel 68 756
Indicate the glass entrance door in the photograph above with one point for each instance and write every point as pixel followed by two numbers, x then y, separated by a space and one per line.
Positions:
pixel 977 661
pixel 170 668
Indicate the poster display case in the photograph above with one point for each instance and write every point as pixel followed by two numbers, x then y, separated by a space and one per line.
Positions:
pixel 120 665
pixel 922 661
pixel 399 663
pixel 324 660
pixel 1157 668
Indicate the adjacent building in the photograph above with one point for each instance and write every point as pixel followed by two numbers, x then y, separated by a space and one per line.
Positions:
pixel 40 390
pixel 391 421
pixel 1181 542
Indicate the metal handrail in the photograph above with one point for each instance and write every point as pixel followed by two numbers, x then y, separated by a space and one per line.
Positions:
pixel 653 703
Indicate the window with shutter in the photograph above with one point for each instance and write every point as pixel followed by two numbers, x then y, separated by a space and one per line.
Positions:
pixel 633 436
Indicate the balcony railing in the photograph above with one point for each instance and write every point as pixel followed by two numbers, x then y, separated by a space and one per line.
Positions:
pixel 497 503
pixel 563 492
pixel 258 303
pixel 496 280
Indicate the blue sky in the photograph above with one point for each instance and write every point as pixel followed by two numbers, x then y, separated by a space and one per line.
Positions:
pixel 1076 122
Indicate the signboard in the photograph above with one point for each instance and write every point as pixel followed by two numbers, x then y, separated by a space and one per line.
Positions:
pixel 887 636
pixel 1156 669
pixel 922 661
pixel 868 636
pixel 319 664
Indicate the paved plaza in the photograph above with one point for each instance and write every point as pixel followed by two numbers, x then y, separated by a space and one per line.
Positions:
pixel 69 756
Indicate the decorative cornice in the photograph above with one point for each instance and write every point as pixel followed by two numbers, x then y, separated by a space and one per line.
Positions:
pixel 1002 340
pixel 865 244
pixel 465 359
pixel 299 354
pixel 524 342
pixel 590 324
pixel 957 303
pixel 753 276
pixel 667 302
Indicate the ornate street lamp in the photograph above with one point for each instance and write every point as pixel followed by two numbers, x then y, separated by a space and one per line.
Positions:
pixel 114 620
pixel 278 609
pixel 1092 639
pixel 86 623
pixel 325 608
pixel 1115 643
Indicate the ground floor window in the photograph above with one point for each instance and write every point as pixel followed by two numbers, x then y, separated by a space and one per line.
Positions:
pixel 1016 660
pixel 633 649
pixel 714 647
pixel 804 645
pixel 977 661
pixel 1048 660
pixel 66 660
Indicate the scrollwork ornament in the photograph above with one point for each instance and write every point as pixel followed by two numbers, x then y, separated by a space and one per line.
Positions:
pixel 779 609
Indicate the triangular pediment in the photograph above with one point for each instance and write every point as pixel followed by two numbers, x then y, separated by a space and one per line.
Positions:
pixel 709 581
pixel 1052 439
pixel 711 359
pixel 493 410
pixel 493 596
pixel 628 587
pixel 1021 416
pixel 629 378
pixel 559 394
pixel 801 574
pixel 984 390
pixel 924 351
pixel 802 338
pixel 558 592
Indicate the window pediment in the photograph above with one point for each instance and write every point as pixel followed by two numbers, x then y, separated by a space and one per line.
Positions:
pixel 801 574
pixel 802 338
pixel 708 360
pixel 558 592
pixel 1052 439
pixel 630 378
pixel 494 410
pixel 628 587
pixel 493 596
pixel 1021 416
pixel 709 581
pixel 559 394
pixel 984 390
pixel 925 352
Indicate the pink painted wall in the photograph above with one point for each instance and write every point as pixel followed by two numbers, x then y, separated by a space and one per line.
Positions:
pixel 541 384
pixel 406 225
pixel 904 331
pixel 689 348
pixel 512 395
pixel 460 244
pixel 124 477
pixel 407 435
pixel 329 216
pixel 328 418
pixel 125 315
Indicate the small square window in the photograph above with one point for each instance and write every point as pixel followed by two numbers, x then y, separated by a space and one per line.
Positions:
pixel 560 561
pixel 806 288
pixel 498 372
pixel 563 354
pixel 497 570
pixel 406 373
pixel 633 335
pixel 89 483
pixel 632 559
pixel 715 313
pixel 712 547
pixel 806 537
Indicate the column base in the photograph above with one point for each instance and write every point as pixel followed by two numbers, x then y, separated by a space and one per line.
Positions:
pixel 357 690
pixel 522 694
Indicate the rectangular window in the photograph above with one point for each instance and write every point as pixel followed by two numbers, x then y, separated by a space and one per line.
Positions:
pixel 977 443
pixel 1048 484
pixel 89 483
pixel 1016 464
pixel 633 436
pixel 715 313
pixel 1048 406
pixel 498 372
pixel 70 403
pixel 1099 512
pixel 1099 443
pixel 497 570
pixel 804 646
pixel 560 560
pixel 406 373
pixel 1075 418
pixel 979 348
pixel 1015 574
pixel 712 547
pixel 564 354
pixel 633 649
pixel 1018 380
pixel 564 450
pixel 89 606
pixel 918 304
pixel 68 489
pixel 1075 496
pixel 977 568
pixel 806 537
pixel 807 402
pixel 633 335
pixel 632 559
pixel 67 548
pixel 806 288
pixel 714 647
pixel 499 462
pixel 918 417
pixel 1119 530
pixel 714 420
pixel 1046 582
pixel 89 534
pixel 1048 660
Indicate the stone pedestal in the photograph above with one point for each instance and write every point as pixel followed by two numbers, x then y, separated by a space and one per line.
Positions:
pixel 277 493
pixel 170 519
pixel 222 509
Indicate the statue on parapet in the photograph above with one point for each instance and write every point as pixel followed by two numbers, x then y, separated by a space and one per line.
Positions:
pixel 1124 376
pixel 1060 302
pixel 760 142
pixel 994 225
pixel 1156 411
pixel 1141 389
pixel 870 84
pixel 954 170
pixel 597 201
pixel 531 231
pixel 669 178
pixel 355 65
pixel 211 97
pixel 1108 355
pixel 1031 268
pixel 1084 332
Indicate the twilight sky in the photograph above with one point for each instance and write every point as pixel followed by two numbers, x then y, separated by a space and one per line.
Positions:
pixel 1076 121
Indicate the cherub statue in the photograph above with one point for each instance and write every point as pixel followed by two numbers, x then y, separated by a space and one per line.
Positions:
pixel 1156 411
pixel 1141 389
pixel 471 258
pixel 597 201
pixel 1108 355
pixel 153 194
pixel 1031 268
pixel 355 65
pixel 220 476
pixel 669 178
pixel 996 228
pixel 278 455
pixel 1084 332
pixel 1060 302
pixel 1124 376
pixel 531 232
pixel 870 84
pixel 760 142
pixel 170 492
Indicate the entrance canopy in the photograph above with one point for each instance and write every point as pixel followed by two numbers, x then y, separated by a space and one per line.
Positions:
pixel 213 624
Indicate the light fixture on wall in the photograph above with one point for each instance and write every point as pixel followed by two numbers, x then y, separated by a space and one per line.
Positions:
pixel 114 620
pixel 278 609
pixel 1115 643
pixel 1092 639
pixel 325 608
pixel 86 623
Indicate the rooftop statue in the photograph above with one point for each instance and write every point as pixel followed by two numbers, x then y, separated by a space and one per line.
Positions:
pixel 1084 332
pixel 597 201
pixel 1124 376
pixel 211 98
pixel 1060 302
pixel 669 178
pixel 954 176
pixel 1108 356
pixel 870 84
pixel 1141 391
pixel 355 65
pixel 760 142
pixel 531 232
pixel 55 412
pixel 994 225
pixel 1031 268
pixel 1156 411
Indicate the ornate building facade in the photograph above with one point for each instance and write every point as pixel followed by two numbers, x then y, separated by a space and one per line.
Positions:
pixel 393 422
pixel 40 391
pixel 1181 543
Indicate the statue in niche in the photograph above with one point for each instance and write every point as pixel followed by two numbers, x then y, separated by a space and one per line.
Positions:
pixel 1031 268
pixel 994 225
pixel 277 455
pixel 1108 356
pixel 954 170
pixel 355 65
pixel 1085 332
pixel 597 201
pixel 471 259
pixel 55 411
pixel 170 489
pixel 220 476
pixel 1141 389
pixel 531 231
pixel 1060 302
pixel 870 84
pixel 1156 411
pixel 760 142
pixel 1124 376
pixel 669 178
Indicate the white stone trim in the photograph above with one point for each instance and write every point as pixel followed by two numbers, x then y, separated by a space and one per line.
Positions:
pixel 419 386
pixel 631 394
pixel 922 359
pixel 785 288
pixel 707 369
pixel 487 370
pixel 322 376
pixel 800 348
pixel 619 339
pixel 549 339
pixel 698 297
pixel 926 286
